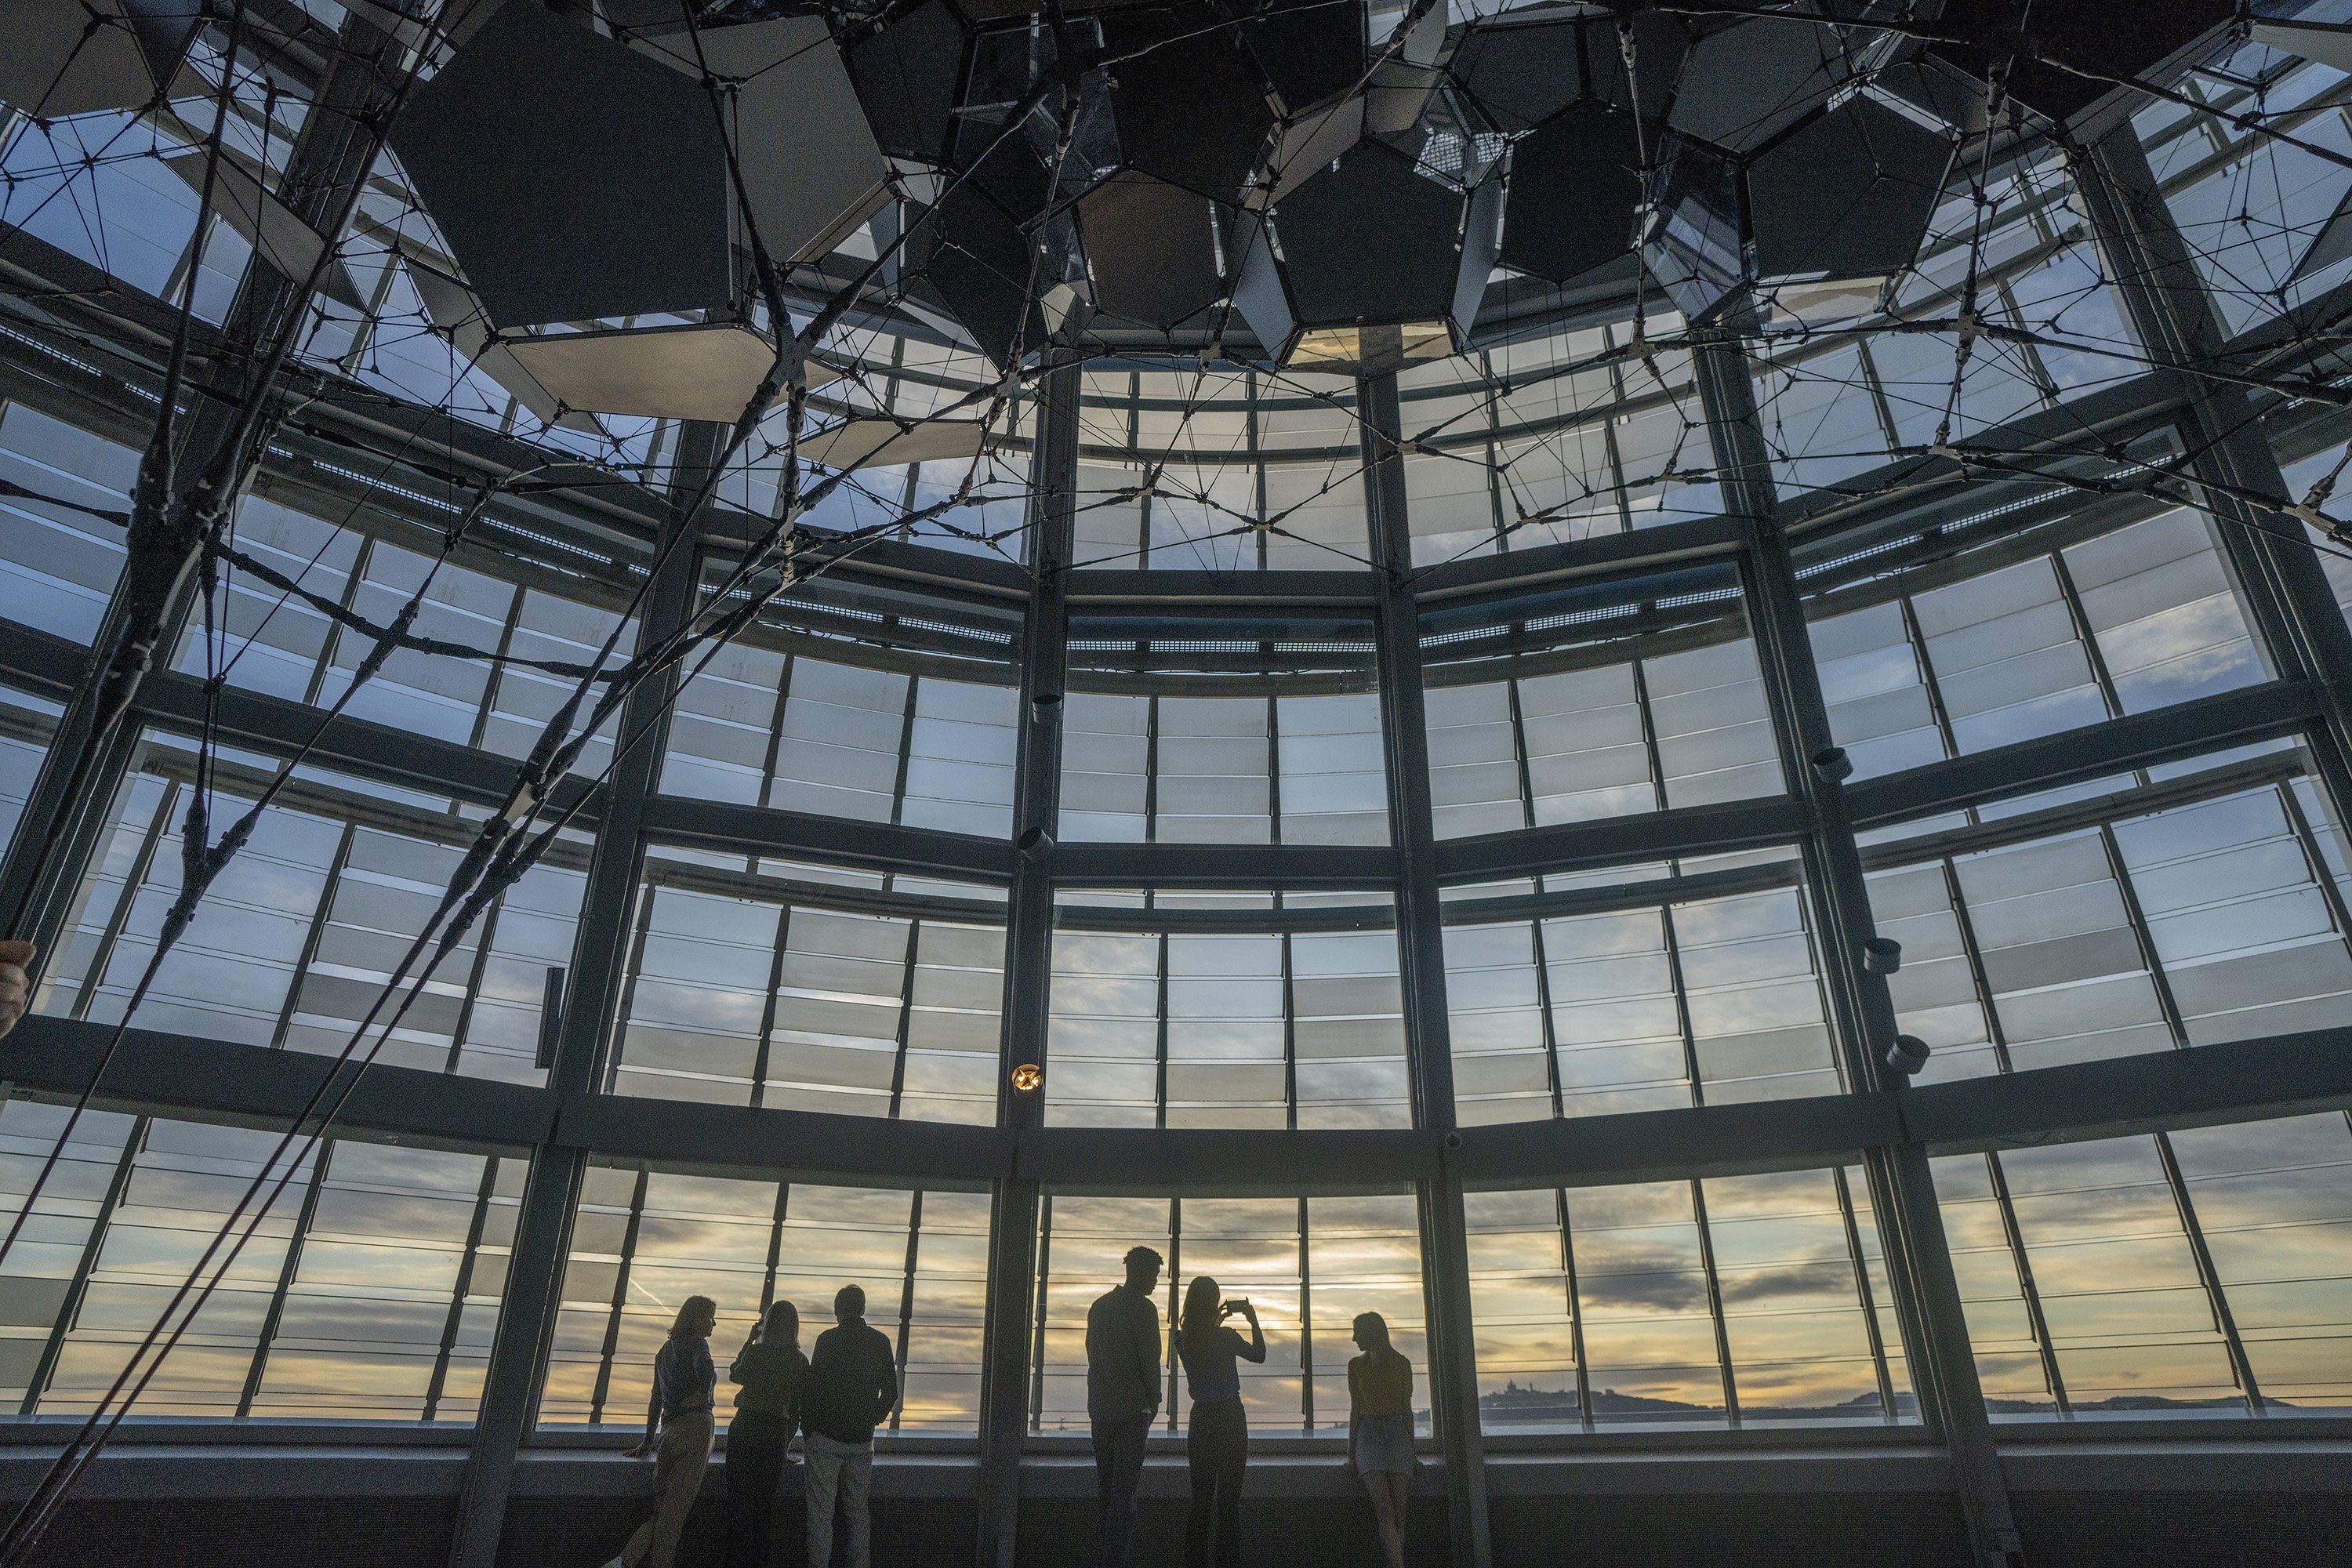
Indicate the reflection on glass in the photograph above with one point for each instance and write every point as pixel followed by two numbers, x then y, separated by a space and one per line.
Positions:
pixel 1600 700
pixel 1202 1022
pixel 1751 1299
pixel 370 1289
pixel 809 998
pixel 296 940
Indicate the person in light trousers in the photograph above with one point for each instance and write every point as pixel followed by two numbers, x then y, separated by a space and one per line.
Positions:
pixel 852 1385
pixel 684 1380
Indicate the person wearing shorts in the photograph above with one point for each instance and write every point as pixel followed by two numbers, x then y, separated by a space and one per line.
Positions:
pixel 1380 1429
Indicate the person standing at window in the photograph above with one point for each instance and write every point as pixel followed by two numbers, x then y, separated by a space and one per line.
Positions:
pixel 768 1373
pixel 1380 1429
pixel 853 1381
pixel 1217 1443
pixel 1122 1395
pixel 684 1380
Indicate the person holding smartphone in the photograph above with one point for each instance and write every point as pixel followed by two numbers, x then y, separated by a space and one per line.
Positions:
pixel 1380 1429
pixel 1217 1443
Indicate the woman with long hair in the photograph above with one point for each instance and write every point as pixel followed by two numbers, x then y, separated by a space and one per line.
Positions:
pixel 1216 1444
pixel 768 1373
pixel 679 1412
pixel 1380 1429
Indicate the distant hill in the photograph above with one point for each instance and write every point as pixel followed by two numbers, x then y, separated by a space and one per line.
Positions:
pixel 1514 1406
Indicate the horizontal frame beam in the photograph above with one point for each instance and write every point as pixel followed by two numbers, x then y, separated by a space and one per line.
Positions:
pixel 171 1075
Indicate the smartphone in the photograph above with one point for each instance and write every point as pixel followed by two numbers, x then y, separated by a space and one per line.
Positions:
pixel 1235 1305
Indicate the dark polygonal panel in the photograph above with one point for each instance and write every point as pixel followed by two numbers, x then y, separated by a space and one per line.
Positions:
pixel 1695 245
pixel 1523 73
pixel 1849 196
pixel 1575 193
pixel 1190 105
pixel 56 64
pixel 1309 50
pixel 2095 36
pixel 809 162
pixel 1366 242
pixel 1369 239
pixel 1744 84
pixel 573 177
pixel 1151 249
pixel 908 77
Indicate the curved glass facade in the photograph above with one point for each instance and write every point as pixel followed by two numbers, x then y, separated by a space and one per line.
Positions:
pixel 1408 820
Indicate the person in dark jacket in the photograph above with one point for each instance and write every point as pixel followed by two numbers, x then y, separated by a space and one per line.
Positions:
pixel 852 1383
pixel 1216 1443
pixel 768 1372
pixel 1122 1395
pixel 684 1380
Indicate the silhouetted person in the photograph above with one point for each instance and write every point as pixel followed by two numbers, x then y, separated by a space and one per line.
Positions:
pixel 1122 1395
pixel 1380 1429
pixel 1217 1443
pixel 853 1381
pixel 684 1380
pixel 16 989
pixel 768 1373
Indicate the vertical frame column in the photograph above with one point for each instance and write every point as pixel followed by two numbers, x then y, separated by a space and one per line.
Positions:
pixel 2294 611
pixel 1013 1202
pixel 1919 1264
pixel 1421 963
pixel 600 955
pixel 337 146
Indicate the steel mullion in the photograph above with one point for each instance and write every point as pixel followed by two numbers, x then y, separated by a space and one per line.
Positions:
pixel 2307 840
pixel 611 1342
pixel 1994 1030
pixel 2037 1321
pixel 1715 1302
pixel 1289 1040
pixel 775 1248
pixel 2085 633
pixel 482 946
pixel 315 686
pixel 120 915
pixel 1863 1293
pixel 291 1265
pixel 1546 1030
pixel 1518 722
pixel 2142 938
pixel 1929 680
pixel 320 920
pixel 1160 1024
pixel 1306 1326
pixel 634 967
pixel 1682 1003
pixel 767 1005
pixel 1175 1295
pixel 462 1287
pixel 78 1286
pixel 776 730
pixel 1273 762
pixel 496 679
pixel 1575 1311
pixel 913 951
pixel 1038 1339
pixel 905 749
pixel 2242 1366
pixel 907 1300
